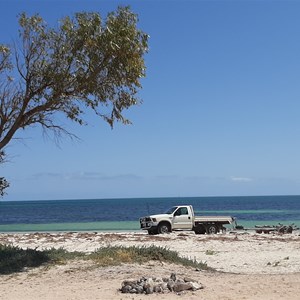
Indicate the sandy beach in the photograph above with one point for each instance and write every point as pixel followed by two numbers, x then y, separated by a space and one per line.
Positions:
pixel 248 266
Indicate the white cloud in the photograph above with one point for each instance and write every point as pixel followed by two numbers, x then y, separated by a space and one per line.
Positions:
pixel 241 179
pixel 85 176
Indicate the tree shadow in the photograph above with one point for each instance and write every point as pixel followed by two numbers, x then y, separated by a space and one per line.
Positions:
pixel 14 259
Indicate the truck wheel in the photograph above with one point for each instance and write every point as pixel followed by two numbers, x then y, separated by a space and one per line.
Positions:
pixel 164 228
pixel 212 229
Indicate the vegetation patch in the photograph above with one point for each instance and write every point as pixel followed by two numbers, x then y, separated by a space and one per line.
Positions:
pixel 61 256
pixel 115 255
pixel 14 259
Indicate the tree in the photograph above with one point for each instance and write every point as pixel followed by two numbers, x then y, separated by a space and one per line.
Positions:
pixel 85 63
pixel 3 185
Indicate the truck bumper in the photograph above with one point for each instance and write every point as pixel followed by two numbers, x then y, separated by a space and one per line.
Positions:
pixel 146 224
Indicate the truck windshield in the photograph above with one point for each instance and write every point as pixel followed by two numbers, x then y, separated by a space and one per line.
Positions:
pixel 171 210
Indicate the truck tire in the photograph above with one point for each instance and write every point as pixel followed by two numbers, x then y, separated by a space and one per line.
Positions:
pixel 212 229
pixel 164 228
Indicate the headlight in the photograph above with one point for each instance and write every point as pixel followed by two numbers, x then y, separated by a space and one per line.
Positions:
pixel 154 219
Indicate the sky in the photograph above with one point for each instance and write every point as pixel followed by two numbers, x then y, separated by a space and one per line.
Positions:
pixel 220 111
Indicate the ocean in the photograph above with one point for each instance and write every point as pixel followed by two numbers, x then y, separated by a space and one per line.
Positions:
pixel 124 214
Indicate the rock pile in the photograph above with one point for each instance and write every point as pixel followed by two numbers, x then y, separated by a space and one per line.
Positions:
pixel 152 285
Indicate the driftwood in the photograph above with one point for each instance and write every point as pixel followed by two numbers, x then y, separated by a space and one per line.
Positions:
pixel 280 228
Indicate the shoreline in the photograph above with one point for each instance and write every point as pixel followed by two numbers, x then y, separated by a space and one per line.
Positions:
pixel 105 226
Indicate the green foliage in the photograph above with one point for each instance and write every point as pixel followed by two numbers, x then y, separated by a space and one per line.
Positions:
pixel 86 62
pixel 61 255
pixel 14 259
pixel 3 186
pixel 115 255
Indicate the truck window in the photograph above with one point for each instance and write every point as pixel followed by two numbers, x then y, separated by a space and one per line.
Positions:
pixel 171 210
pixel 181 211
pixel 184 210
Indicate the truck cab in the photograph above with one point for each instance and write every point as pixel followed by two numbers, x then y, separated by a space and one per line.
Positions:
pixel 182 217
pixel 175 218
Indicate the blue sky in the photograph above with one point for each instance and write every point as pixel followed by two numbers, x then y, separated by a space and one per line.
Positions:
pixel 220 112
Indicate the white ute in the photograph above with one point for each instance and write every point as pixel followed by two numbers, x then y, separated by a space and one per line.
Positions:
pixel 182 217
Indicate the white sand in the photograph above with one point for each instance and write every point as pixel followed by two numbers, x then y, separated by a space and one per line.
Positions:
pixel 252 266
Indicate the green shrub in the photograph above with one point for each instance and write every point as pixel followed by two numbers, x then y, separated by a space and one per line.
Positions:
pixel 14 259
pixel 61 255
pixel 114 255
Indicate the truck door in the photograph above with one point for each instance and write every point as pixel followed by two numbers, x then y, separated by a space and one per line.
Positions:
pixel 182 219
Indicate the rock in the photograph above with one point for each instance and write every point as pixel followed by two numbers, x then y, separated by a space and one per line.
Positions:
pixel 149 290
pixel 129 282
pixel 157 289
pixel 188 279
pixel 140 289
pixel 126 289
pixel 164 286
pixel 173 276
pixel 182 286
pixel 149 283
pixel 171 285
pixel 142 279
pixel 195 285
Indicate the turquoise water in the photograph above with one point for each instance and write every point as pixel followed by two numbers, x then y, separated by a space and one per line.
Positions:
pixel 89 226
pixel 123 214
